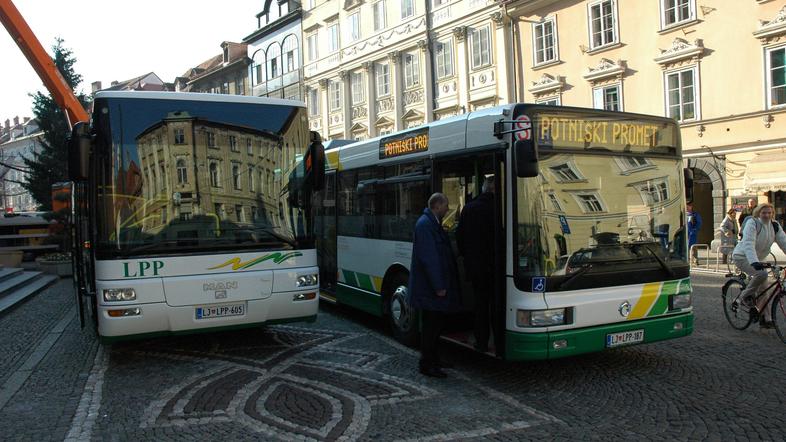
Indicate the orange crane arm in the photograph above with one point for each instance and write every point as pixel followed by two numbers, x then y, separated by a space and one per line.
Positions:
pixel 42 63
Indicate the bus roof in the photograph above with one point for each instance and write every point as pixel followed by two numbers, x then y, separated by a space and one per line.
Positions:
pixel 196 96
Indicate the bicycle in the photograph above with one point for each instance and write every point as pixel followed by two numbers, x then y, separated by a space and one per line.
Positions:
pixel 742 312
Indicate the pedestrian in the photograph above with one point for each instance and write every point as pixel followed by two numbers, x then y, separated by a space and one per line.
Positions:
pixel 728 234
pixel 746 212
pixel 433 282
pixel 476 242
pixel 694 224
pixel 758 236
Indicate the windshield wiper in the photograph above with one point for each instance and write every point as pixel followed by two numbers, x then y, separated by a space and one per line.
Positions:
pixel 570 279
pixel 666 266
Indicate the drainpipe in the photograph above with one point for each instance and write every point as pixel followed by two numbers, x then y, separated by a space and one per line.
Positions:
pixel 513 54
pixel 430 54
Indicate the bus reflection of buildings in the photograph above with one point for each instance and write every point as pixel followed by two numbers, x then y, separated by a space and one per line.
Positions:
pixel 194 167
pixel 625 195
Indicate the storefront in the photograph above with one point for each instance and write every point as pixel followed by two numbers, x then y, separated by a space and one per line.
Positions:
pixel 765 175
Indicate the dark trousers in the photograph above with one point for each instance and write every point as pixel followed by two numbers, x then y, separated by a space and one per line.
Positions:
pixel 432 323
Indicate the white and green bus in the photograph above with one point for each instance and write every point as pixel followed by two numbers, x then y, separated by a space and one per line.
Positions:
pixel 191 212
pixel 589 209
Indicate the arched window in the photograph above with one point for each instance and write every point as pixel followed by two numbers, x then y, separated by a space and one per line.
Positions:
pixel 273 61
pixel 290 52
pixel 258 67
pixel 182 171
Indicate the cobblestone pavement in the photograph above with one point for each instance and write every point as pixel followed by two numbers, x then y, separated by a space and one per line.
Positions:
pixel 343 378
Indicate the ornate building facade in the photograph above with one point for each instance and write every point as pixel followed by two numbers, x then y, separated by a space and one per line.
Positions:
pixel 375 67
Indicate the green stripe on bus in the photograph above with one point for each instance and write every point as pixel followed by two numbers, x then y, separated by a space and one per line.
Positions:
pixel 349 278
pixel 360 300
pixel 662 304
pixel 364 282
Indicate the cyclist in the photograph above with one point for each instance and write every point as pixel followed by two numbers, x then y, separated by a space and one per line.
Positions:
pixel 758 235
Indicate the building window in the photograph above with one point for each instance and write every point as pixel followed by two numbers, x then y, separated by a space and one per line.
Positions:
pixel 273 61
pixel 251 179
pixel 240 86
pixel 311 42
pixel 590 203
pixel 383 79
pixel 555 202
pixel 333 38
pixel 335 95
pixel 545 41
pixel 215 174
pixel 233 144
pixel 313 102
pixel 182 171
pixel 549 101
pixel 249 146
pixel 411 70
pixel 379 15
pixel 607 97
pixel 407 8
pixel 776 76
pixel 356 82
pixel 677 11
pixel 444 59
pixel 630 164
pixel 290 50
pixel 681 96
pixel 241 217
pixel 603 23
pixel 353 27
pixel 653 192
pixel 566 173
pixel 180 136
pixel 211 139
pixel 236 176
pixel 481 47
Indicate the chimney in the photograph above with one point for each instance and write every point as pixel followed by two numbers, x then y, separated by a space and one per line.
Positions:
pixel 95 86
pixel 16 121
pixel 7 124
pixel 114 83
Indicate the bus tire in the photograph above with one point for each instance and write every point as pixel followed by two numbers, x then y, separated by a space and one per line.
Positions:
pixel 402 318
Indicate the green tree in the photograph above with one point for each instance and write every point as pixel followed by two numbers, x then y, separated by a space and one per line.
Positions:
pixel 50 165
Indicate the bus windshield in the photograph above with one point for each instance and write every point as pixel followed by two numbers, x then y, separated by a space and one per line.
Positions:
pixel 177 176
pixel 603 216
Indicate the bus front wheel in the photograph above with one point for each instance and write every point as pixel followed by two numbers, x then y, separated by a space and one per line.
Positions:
pixel 402 318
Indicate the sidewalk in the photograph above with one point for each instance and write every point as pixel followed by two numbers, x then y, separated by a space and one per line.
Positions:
pixel 707 260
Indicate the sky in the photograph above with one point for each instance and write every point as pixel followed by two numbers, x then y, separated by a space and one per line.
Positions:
pixel 115 40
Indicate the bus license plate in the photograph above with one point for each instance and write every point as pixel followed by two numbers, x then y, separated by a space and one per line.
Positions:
pixel 624 338
pixel 220 310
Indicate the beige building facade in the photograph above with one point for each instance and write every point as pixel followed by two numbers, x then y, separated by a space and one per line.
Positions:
pixel 715 66
pixel 376 67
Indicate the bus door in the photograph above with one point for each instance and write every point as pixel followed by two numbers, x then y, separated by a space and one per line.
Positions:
pixel 325 233
pixel 461 180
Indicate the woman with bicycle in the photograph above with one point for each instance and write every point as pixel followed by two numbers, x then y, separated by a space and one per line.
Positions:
pixel 759 232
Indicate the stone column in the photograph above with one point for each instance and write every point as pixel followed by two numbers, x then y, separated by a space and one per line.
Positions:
pixel 504 65
pixel 428 82
pixel 462 67
pixel 397 88
pixel 324 107
pixel 346 102
pixel 371 116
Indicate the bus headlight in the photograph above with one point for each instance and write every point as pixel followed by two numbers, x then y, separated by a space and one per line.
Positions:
pixel 115 295
pixel 680 301
pixel 541 318
pixel 307 280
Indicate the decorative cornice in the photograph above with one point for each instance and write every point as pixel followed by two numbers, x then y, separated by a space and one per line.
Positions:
pixel 547 83
pixel 423 45
pixel 605 69
pixel 680 50
pixel 498 18
pixel 772 28
pixel 342 75
pixel 394 56
pixel 324 83
pixel 460 32
pixel 382 39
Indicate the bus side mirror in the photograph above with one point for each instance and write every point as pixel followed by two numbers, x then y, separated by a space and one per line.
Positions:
pixel 79 152
pixel 688 183
pixel 315 162
pixel 526 159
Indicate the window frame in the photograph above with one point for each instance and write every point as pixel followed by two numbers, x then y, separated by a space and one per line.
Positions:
pixel 578 194
pixel 768 76
pixel 411 70
pixel 547 101
pixel 386 76
pixel 380 17
pixel 236 178
pixel 215 179
pixel 691 14
pixel 357 90
pixel 182 171
pixel 334 39
pixel 411 9
pixel 603 90
pixel 353 27
pixel 335 101
pixel 614 27
pixel 179 135
pixel 312 41
pixel 313 104
pixel 696 93
pixel 440 59
pixel 555 43
pixel 473 35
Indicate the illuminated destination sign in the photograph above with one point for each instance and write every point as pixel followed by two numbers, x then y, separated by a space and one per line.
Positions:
pixel 571 131
pixel 404 144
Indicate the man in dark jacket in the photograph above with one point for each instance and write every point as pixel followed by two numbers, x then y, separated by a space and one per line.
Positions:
pixel 433 281
pixel 746 212
pixel 476 244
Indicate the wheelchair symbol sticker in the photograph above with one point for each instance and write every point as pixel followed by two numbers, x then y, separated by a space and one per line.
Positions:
pixel 539 284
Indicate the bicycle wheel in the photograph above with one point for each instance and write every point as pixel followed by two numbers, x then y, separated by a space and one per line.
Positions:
pixel 779 315
pixel 737 313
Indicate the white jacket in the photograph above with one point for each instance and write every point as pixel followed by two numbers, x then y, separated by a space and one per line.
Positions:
pixel 755 246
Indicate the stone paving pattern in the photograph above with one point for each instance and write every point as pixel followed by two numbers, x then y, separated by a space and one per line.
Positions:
pixel 343 378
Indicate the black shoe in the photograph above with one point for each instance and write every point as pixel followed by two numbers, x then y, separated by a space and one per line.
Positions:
pixel 766 324
pixel 433 372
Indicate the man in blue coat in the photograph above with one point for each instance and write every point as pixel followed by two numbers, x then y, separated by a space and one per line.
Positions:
pixel 694 224
pixel 433 281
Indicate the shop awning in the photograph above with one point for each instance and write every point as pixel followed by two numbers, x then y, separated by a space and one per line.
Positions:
pixel 766 172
